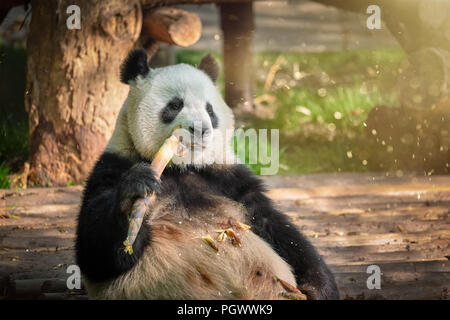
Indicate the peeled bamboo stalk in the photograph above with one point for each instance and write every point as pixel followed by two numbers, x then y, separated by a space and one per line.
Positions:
pixel 159 163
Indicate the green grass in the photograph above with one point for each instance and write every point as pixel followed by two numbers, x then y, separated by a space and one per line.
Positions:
pixel 13 117
pixel 320 115
pixel 13 139
pixel 343 106
pixel 4 181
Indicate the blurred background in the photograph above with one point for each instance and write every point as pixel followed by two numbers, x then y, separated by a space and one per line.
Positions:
pixel 358 89
pixel 345 96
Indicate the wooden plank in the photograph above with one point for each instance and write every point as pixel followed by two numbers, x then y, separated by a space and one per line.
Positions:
pixel 351 230
pixel 51 239
pixel 356 190
pixel 159 3
pixel 41 196
pixel 381 239
pixel 353 179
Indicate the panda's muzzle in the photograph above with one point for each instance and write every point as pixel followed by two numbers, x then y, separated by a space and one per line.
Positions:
pixel 199 136
pixel 203 132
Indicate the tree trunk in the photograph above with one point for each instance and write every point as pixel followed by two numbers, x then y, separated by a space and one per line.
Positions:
pixel 73 91
pixel 237 26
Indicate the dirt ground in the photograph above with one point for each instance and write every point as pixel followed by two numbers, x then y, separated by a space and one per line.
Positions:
pixel 401 225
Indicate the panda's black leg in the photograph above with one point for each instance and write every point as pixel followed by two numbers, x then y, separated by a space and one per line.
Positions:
pixel 312 274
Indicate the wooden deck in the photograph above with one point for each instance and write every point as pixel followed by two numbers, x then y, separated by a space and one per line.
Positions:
pixel 355 220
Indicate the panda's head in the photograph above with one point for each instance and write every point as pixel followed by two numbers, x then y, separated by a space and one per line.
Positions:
pixel 160 100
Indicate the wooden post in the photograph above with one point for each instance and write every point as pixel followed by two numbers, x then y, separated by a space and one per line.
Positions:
pixel 237 26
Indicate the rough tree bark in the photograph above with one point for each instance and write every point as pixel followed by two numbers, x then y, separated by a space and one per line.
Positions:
pixel 73 91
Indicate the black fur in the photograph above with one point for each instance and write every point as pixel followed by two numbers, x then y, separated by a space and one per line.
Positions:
pixel 103 226
pixel 134 65
pixel 311 272
pixel 212 115
pixel 171 110
pixel 210 67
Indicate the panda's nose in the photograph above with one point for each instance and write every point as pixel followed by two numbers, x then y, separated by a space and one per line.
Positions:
pixel 204 131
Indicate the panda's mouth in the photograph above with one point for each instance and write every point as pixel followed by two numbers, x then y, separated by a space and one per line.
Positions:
pixel 197 146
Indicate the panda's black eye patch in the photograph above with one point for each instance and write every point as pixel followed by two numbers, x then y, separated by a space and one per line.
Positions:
pixel 212 115
pixel 171 110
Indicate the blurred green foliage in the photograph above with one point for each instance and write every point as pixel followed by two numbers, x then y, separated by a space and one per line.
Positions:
pixel 319 102
pixel 13 117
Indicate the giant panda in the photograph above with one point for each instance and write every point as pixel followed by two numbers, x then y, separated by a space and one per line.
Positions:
pixel 170 259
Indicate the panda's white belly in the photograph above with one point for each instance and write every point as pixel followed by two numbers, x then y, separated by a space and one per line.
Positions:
pixel 180 264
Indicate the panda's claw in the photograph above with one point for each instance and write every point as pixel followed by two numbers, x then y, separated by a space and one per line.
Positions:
pixel 138 182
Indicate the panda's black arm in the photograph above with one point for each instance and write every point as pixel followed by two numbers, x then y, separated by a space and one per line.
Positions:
pixel 102 222
pixel 312 274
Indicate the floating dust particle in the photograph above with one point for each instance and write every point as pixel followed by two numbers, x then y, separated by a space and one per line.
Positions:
pixel 331 127
pixel 417 98
pixel 337 115
pixel 322 92
pixel 303 110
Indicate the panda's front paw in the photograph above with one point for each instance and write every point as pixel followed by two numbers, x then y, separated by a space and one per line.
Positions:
pixel 138 182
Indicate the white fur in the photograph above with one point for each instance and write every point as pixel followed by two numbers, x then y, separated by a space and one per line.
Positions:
pixel 140 130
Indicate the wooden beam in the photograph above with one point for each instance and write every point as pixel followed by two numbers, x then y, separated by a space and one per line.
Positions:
pixel 238 27
pixel 172 25
pixel 160 3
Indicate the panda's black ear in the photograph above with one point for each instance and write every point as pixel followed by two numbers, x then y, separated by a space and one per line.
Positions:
pixel 210 67
pixel 134 65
